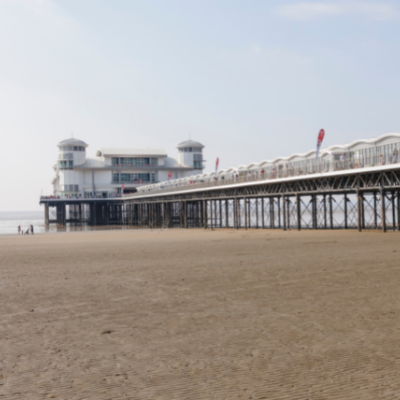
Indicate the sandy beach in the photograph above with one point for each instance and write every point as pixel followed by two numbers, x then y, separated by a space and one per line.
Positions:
pixel 200 315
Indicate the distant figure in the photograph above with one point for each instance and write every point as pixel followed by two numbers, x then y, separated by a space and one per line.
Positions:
pixel 395 155
pixel 19 229
pixel 27 232
pixel 382 160
pixel 32 229
pixel 342 160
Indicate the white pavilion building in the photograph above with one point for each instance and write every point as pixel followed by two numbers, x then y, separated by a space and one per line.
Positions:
pixel 113 168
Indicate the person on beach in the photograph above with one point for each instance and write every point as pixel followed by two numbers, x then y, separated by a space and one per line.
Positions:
pixel 27 232
pixel 32 229
pixel 19 229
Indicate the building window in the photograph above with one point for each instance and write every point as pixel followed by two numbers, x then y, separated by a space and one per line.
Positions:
pixel 134 162
pixel 71 188
pixel 125 177
pixel 197 161
pixel 66 156
pixel 65 164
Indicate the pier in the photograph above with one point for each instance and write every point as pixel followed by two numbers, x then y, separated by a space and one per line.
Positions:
pixel 362 198
pixel 351 186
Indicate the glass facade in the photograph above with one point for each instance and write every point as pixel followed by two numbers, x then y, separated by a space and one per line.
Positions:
pixel 71 188
pixel 65 164
pixel 72 148
pixel 134 162
pixel 133 177
pixel 197 161
pixel 66 156
pixel 191 149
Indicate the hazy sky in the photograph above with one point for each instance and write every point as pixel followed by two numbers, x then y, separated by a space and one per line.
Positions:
pixel 251 80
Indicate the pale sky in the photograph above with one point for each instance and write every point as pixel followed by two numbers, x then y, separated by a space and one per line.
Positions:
pixel 251 80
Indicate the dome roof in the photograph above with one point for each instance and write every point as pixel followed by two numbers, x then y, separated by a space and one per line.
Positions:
pixel 189 143
pixel 72 142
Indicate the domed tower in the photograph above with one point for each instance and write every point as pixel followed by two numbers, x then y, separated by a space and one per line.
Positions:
pixel 190 154
pixel 72 152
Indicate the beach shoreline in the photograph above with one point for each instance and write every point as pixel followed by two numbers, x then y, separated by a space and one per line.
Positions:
pixel 200 314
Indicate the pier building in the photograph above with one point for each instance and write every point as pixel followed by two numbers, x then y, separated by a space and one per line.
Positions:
pixel 104 175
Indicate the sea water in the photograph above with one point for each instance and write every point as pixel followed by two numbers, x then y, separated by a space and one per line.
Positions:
pixel 9 221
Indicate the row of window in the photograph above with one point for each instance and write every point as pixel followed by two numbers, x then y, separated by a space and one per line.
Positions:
pixel 66 164
pixel 197 165
pixel 71 188
pixel 134 162
pixel 66 156
pixel 368 156
pixel 72 148
pixel 191 149
pixel 133 178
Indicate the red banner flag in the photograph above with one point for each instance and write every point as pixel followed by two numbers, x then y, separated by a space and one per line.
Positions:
pixel 169 175
pixel 216 165
pixel 321 136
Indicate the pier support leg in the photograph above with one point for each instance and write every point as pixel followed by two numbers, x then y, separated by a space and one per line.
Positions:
pixel 245 213
pixel 220 213
pixel 383 203
pixel 330 211
pixel 279 212
pixel 239 214
pixel 235 213
pixel 201 214
pixel 94 213
pixel 216 214
pixel 107 213
pixel 284 212
pixel 185 214
pixel 227 213
pixel 298 209
pixel 211 216
pixel 314 211
pixel 393 212
pixel 205 215
pixel 272 212
pixel 375 212
pixel 325 216
pixel 288 212
pixel 359 207
pixel 398 210
pixel 249 212
pixel 262 213
pixel 362 210
pixel 256 201
pixel 46 215
pixel 345 212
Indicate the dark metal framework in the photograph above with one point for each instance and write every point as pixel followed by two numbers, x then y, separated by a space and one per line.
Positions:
pixel 357 200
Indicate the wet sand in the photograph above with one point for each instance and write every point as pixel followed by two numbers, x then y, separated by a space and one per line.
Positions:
pixel 200 315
